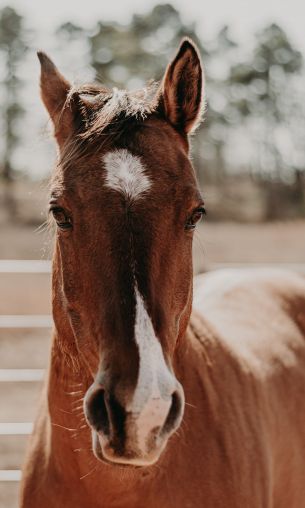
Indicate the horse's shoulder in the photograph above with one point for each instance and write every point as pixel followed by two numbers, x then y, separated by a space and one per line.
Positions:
pixel 257 315
pixel 250 290
pixel 231 281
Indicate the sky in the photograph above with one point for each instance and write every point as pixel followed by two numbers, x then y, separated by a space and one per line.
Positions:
pixel 243 16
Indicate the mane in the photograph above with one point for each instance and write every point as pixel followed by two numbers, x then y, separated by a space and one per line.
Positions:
pixel 103 109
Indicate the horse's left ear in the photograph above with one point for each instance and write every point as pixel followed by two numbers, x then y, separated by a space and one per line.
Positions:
pixel 181 98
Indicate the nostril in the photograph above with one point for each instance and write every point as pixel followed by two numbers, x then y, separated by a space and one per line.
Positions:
pixel 117 416
pixel 97 412
pixel 174 414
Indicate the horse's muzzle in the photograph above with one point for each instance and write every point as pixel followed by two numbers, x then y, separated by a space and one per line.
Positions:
pixel 124 436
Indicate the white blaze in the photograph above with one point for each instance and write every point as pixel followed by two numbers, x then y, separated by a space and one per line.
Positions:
pixel 126 174
pixel 152 397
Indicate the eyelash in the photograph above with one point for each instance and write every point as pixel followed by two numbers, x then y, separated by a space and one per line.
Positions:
pixel 62 224
pixel 193 220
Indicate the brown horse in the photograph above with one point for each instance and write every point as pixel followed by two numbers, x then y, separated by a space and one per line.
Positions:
pixel 146 405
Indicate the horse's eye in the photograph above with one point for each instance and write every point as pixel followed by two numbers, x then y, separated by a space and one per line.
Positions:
pixel 194 218
pixel 62 219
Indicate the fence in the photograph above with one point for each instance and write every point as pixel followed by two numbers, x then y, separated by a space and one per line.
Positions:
pixel 25 324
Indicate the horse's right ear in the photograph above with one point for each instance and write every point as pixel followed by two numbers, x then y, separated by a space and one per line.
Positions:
pixel 54 93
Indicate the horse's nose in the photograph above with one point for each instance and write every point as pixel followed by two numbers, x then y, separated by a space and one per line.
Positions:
pixel 104 412
pixel 175 413
pixel 125 434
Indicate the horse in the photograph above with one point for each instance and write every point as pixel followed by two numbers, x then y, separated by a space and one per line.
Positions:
pixel 154 398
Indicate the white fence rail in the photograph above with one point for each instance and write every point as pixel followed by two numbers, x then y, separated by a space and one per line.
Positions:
pixel 26 321
pixel 45 321
pixel 24 266
pixel 8 323
pixel 16 429
pixel 44 266
pixel 21 375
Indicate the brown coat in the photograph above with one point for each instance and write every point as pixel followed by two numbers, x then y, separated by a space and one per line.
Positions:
pixel 242 440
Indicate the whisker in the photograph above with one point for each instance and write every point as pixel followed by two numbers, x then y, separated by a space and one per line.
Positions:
pixel 75 435
pixel 198 238
pixel 78 450
pixel 42 227
pixel 191 405
pixel 78 407
pixel 64 411
pixel 80 415
pixel 74 393
pixel 63 427
pixel 87 474
pixel 74 402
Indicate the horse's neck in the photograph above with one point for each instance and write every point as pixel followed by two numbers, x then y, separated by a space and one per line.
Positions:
pixel 67 384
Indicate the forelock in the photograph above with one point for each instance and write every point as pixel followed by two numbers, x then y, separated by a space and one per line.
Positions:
pixel 104 109
pixel 107 117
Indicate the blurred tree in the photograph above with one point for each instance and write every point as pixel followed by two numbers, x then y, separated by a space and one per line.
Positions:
pixel 12 49
pixel 220 113
pixel 70 31
pixel 258 88
pixel 76 42
pixel 129 55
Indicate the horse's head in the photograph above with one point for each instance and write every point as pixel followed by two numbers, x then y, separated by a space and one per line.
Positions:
pixel 125 200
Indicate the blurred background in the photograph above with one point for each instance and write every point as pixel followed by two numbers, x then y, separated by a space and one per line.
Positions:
pixel 249 153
